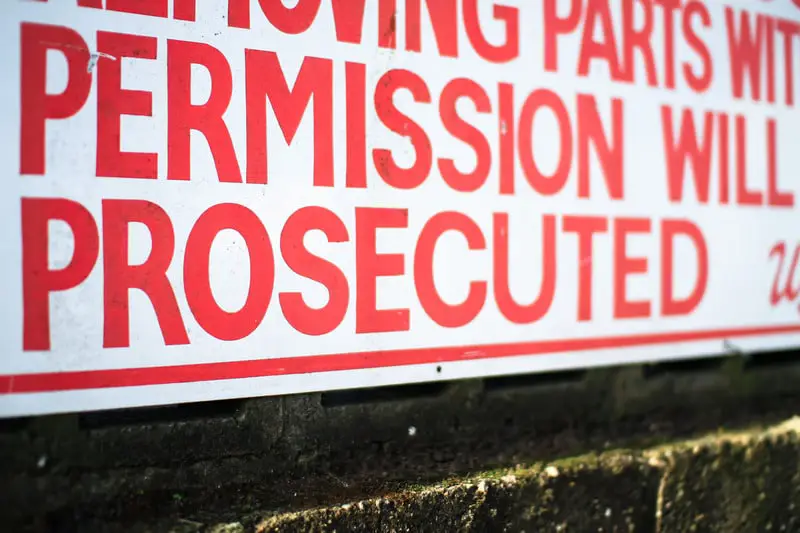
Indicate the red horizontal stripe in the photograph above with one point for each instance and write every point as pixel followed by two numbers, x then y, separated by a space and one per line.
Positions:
pixel 162 375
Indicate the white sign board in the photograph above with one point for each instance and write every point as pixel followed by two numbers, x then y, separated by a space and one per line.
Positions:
pixel 207 200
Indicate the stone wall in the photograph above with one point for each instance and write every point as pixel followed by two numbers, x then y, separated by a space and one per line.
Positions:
pixel 611 449
pixel 747 481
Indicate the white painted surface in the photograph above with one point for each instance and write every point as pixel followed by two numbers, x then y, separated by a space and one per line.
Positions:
pixel 72 374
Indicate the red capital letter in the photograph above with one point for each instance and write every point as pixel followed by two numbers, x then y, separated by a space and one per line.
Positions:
pixel 670 305
pixel 698 82
pixel 183 116
pixel 496 53
pixel 113 101
pixel 38 281
pixel 465 132
pixel 775 197
pixel 625 265
pixel 292 20
pixel 585 227
pixel 393 174
pixel 609 152
pixel 555 25
pixel 633 38
pixel 36 106
pixel 518 313
pixel 444 20
pixel 545 185
pixel 301 316
pixel 264 78
pixel 149 277
pixel 370 265
pixel 211 317
pixel 688 148
pixel 444 314
pixel 744 195
pixel 746 49
pixel 606 48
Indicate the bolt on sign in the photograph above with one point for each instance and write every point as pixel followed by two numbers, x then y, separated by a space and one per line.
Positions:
pixel 207 200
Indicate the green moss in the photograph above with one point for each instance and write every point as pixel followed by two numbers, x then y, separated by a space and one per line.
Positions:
pixel 721 482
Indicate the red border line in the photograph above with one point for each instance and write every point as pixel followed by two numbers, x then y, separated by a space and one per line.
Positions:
pixel 163 375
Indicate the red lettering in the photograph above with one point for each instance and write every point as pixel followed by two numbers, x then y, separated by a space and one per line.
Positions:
pixel 496 53
pixel 606 50
pixel 770 42
pixel 356 108
pixel 789 30
pixel 301 316
pixel 787 291
pixel 183 116
pixel 745 52
pixel 38 280
pixel 744 195
pixel 264 77
pixel 633 39
pixel 391 173
pixel 370 265
pixel 387 24
pixel 151 8
pixel 113 101
pixel 669 7
pixel 555 25
pixel 150 277
pixel 671 306
pixel 224 325
pixel 774 196
pixel 687 149
pixel 96 4
pixel 724 166
pixel 348 20
pixel 505 128
pixel 36 105
pixel 513 311
pixel 610 155
pixel 585 228
pixel 545 185
pixel 624 266
pixel 291 20
pixel 445 314
pixel 444 18
pixel 465 132
pixel 697 82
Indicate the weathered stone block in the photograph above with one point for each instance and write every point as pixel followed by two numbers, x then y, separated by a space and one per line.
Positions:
pixel 741 484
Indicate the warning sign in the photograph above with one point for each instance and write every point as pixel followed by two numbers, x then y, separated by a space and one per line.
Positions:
pixel 207 200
